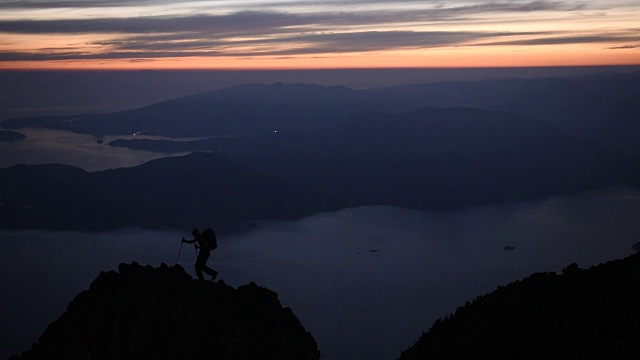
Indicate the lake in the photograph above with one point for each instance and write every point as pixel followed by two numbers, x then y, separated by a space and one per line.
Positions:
pixel 45 146
pixel 366 282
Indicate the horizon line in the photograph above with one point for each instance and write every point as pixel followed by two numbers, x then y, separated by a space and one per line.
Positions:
pixel 296 69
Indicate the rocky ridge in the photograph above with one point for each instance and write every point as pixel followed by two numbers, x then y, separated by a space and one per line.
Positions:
pixel 142 312
pixel 579 314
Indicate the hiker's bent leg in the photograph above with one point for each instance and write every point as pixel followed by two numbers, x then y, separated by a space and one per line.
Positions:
pixel 199 272
pixel 201 263
pixel 210 271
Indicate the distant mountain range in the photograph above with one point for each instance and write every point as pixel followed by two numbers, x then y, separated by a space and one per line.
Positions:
pixel 241 110
pixel 166 193
pixel 603 108
pixel 431 158
pixel 285 151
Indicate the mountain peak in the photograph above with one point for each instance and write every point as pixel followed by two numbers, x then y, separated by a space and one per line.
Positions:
pixel 143 312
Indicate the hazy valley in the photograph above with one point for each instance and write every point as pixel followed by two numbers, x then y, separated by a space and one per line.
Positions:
pixel 404 192
pixel 287 151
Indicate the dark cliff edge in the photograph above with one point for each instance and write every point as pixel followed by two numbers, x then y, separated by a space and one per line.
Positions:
pixel 579 314
pixel 142 312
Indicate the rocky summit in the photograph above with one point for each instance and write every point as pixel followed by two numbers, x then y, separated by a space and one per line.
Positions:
pixel 579 314
pixel 142 312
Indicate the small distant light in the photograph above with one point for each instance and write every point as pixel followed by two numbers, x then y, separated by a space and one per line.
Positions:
pixel 275 131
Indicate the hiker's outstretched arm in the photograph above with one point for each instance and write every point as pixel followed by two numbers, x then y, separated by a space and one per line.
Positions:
pixel 188 241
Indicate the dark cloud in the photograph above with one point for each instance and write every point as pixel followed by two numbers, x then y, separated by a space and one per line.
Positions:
pixel 305 44
pixel 621 47
pixel 140 60
pixel 263 20
pixel 515 6
pixel 540 5
pixel 343 42
pixel 241 22
pixel 563 39
pixel 381 40
pixel 24 56
pixel 46 4
pixel 278 33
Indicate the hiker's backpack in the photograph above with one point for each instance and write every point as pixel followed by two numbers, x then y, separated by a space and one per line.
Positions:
pixel 210 236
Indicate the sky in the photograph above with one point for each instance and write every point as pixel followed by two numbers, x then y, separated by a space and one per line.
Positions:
pixel 326 34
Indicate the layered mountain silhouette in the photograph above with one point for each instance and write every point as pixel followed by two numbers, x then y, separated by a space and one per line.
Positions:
pixel 432 158
pixel 579 314
pixel 286 151
pixel 142 312
pixel 435 158
pixel 165 193
pixel 601 107
pixel 242 110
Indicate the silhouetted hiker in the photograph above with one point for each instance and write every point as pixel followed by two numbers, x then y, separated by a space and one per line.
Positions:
pixel 205 242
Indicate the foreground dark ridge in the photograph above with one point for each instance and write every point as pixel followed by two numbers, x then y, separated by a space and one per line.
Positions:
pixel 581 314
pixel 162 313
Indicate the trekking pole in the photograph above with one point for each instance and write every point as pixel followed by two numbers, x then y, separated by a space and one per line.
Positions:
pixel 179 251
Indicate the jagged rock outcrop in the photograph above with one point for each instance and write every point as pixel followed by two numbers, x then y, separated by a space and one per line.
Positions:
pixel 580 314
pixel 142 312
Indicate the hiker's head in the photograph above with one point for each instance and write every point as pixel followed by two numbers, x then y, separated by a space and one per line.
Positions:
pixel 195 232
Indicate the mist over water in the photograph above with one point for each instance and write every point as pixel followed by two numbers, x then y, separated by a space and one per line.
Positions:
pixel 45 146
pixel 365 281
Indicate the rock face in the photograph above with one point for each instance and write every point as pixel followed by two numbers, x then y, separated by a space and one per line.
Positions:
pixel 581 314
pixel 162 313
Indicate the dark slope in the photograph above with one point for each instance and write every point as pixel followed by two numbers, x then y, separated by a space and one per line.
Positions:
pixel 603 107
pixel 51 196
pixel 162 313
pixel 241 110
pixel 171 192
pixel 432 158
pixel 581 314
pixel 202 188
pixel 450 158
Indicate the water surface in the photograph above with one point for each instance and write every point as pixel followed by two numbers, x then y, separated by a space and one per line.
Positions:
pixel 45 146
pixel 365 281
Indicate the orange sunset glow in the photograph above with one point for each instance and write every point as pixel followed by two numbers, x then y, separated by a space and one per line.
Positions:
pixel 304 35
